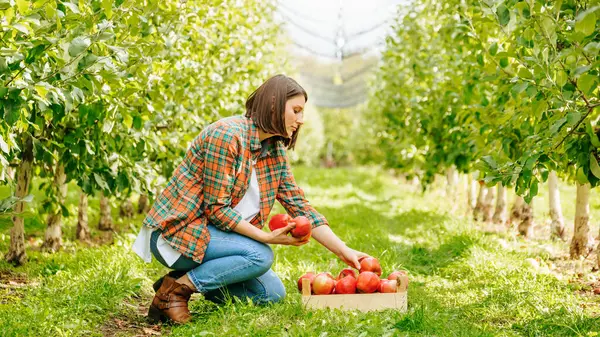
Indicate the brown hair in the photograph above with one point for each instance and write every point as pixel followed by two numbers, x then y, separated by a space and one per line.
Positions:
pixel 266 106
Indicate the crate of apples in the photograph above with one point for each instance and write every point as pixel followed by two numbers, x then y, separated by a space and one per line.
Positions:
pixel 364 291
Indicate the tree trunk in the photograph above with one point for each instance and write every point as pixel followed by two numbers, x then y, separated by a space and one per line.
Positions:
pixel 53 236
pixel 83 229
pixel 582 242
pixel 558 225
pixel 452 180
pixel 143 204
pixel 329 160
pixel 500 214
pixel 16 252
pixel 105 223
pixel 525 227
pixel 488 206
pixel 479 206
pixel 451 185
pixel 471 192
pixel 516 211
pixel 126 209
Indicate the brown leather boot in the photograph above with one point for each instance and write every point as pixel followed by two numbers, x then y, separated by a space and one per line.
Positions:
pixel 171 302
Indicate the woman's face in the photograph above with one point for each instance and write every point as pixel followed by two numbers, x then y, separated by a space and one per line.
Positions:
pixel 294 114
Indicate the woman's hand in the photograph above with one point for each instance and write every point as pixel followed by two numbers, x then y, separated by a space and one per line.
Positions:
pixel 351 257
pixel 280 237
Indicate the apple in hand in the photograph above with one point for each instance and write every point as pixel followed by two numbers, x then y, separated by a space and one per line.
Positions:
pixel 347 285
pixel 309 275
pixel 303 227
pixel 367 282
pixel 370 264
pixel 279 221
pixel 388 286
pixel 323 284
pixel 347 272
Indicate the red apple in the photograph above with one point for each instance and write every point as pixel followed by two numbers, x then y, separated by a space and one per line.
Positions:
pixel 394 275
pixel 388 286
pixel 279 221
pixel 310 276
pixel 347 272
pixel 346 285
pixel 370 264
pixel 323 284
pixel 303 227
pixel 367 282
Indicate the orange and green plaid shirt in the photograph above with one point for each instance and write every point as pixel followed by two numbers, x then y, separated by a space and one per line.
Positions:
pixel 212 179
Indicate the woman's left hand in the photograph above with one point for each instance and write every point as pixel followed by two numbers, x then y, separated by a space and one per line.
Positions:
pixel 351 256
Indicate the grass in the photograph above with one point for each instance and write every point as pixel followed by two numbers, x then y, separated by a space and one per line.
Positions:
pixel 464 281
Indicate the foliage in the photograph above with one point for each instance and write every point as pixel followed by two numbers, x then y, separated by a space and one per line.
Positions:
pixel 509 85
pixel 115 90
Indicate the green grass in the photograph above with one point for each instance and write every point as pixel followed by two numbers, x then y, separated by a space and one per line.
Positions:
pixel 464 282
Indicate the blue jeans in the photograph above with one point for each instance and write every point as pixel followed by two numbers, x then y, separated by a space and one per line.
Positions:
pixel 233 265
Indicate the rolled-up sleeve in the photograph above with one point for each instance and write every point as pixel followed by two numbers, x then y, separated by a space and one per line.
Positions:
pixel 221 150
pixel 292 198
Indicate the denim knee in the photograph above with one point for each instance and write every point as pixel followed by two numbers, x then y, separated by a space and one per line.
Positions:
pixel 274 292
pixel 262 257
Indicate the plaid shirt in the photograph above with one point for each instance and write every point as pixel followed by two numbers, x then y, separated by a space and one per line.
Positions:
pixel 212 179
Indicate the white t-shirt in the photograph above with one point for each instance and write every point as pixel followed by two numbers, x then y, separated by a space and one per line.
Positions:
pixel 248 207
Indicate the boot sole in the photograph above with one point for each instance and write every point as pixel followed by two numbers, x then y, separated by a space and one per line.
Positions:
pixel 156 316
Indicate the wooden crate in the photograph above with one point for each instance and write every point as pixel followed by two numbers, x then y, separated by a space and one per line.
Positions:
pixel 362 302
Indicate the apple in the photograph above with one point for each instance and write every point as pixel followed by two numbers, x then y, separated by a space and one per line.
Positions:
pixel 370 264
pixel 394 275
pixel 279 221
pixel 347 285
pixel 323 284
pixel 367 282
pixel 303 227
pixel 309 275
pixel 346 272
pixel 388 286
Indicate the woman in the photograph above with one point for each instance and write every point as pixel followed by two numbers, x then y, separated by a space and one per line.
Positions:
pixel 206 224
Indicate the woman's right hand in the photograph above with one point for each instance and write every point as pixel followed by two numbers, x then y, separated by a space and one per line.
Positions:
pixel 280 237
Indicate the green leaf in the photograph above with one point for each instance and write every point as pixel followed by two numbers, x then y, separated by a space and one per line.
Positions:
pixel 593 137
pixel 586 83
pixel 518 88
pixel 503 15
pixel 581 176
pixel 504 62
pixel 480 59
pixel 561 78
pixel 573 118
pixel 493 49
pixel 3 145
pixel 107 7
pixel 490 162
pixel 23 6
pixel 78 45
pixel 586 23
pixel 557 125
pixel 101 182
pixel 594 166
pixel 51 9
pixel 533 189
